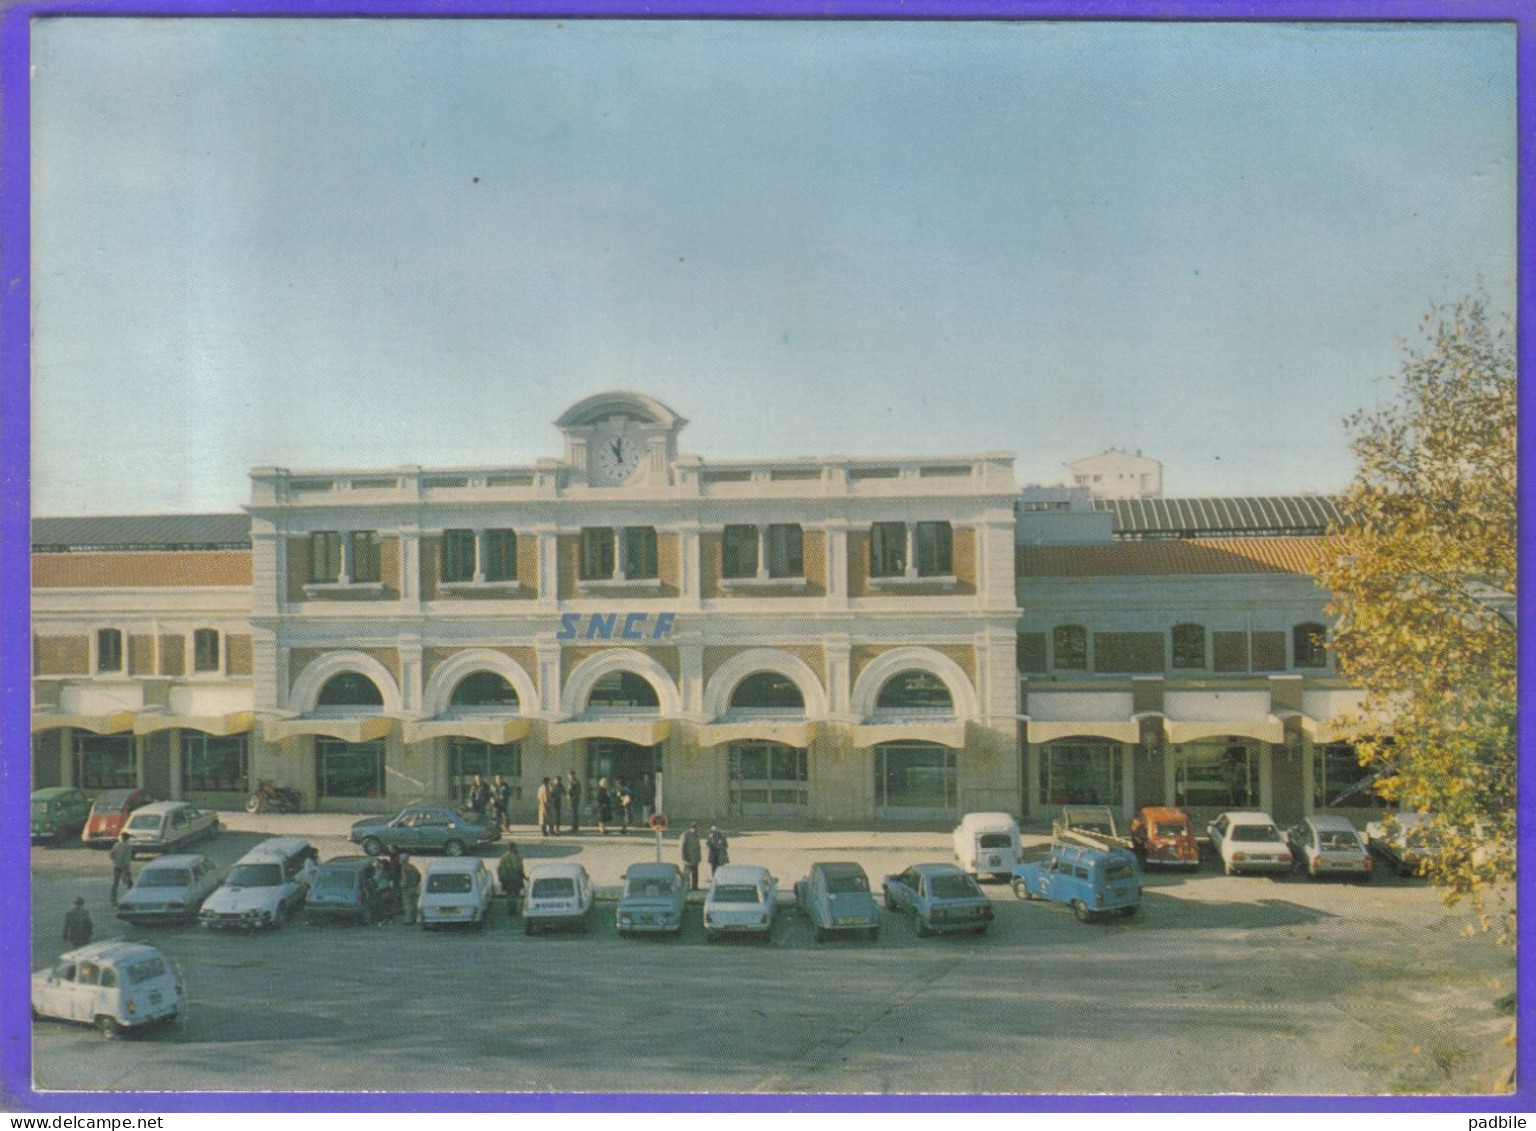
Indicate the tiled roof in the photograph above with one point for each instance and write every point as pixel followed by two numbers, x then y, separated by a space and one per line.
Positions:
pixel 157 570
pixel 143 532
pixel 1173 556
pixel 1191 518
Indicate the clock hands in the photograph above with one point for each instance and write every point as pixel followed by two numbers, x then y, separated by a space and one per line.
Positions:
pixel 617 447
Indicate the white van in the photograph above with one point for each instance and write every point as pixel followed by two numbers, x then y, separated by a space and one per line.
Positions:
pixel 987 842
pixel 266 886
pixel 113 985
pixel 456 889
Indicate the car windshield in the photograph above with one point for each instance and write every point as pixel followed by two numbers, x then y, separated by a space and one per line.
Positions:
pixel 255 875
pixel 41 808
pixel 110 800
pixel 650 885
pixel 1172 829
pixel 841 883
pixel 1337 840
pixel 953 887
pixel 737 893
pixel 164 878
pixel 553 887
pixel 449 883
pixel 336 879
pixel 145 821
pixel 1255 832
pixel 1119 871
pixel 145 969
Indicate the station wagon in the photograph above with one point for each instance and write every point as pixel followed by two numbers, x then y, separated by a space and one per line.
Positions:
pixel 1092 881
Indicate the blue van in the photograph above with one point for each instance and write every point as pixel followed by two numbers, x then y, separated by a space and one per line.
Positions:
pixel 1092 881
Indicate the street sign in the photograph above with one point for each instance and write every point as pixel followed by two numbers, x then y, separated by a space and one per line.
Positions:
pixel 658 821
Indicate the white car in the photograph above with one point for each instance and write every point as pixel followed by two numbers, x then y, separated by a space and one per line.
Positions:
pixel 266 886
pixel 1329 846
pixel 987 842
pixel 559 895
pixel 113 985
pixel 165 826
pixel 456 891
pixel 1249 842
pixel 740 901
pixel 171 889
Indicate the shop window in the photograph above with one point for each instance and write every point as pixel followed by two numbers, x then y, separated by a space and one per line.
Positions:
pixel 349 769
pixel 596 553
pixel 324 557
pixel 1216 776
pixel 767 691
pixel 468 757
pixel 365 556
pixel 350 689
pixel 768 778
pixel 740 552
pixel 104 761
pixel 1189 646
pixel 1081 773
pixel 458 554
pixel 915 778
pixel 109 650
pixel 1338 778
pixel 935 556
pixel 1310 645
pixel 914 690
pixel 786 556
pixel 205 650
pixel 640 553
pixel 1069 647
pixel 622 691
pixel 501 555
pixel 214 763
pixel 485 689
pixel 888 549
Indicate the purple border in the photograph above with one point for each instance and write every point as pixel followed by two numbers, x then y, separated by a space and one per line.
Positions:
pixel 15 698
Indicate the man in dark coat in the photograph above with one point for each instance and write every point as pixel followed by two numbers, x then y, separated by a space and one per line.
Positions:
pixel 556 796
pixel 573 794
pixel 691 855
pixel 479 796
pixel 410 889
pixel 77 924
pixel 501 799
pixel 122 858
pixel 719 849
pixel 510 874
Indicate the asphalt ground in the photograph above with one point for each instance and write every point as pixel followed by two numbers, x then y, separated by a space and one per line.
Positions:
pixel 1220 984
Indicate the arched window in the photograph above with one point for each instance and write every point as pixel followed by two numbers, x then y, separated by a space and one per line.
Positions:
pixel 914 690
pixel 1309 645
pixel 1069 647
pixel 109 650
pixel 484 689
pixel 1189 646
pixel 350 689
pixel 767 691
pixel 205 650
pixel 622 691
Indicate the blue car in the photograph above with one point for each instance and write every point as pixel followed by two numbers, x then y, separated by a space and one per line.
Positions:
pixel 939 897
pixel 836 899
pixel 1092 881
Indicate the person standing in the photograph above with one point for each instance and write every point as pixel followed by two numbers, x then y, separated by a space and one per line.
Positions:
pixel 501 799
pixel 410 889
pixel 626 806
pixel 122 859
pixel 479 797
pixel 78 927
pixel 510 873
pixel 543 799
pixel 392 874
pixel 719 850
pixel 556 796
pixel 604 806
pixel 646 797
pixel 691 856
pixel 573 795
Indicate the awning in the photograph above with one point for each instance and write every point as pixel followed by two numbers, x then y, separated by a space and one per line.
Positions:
pixel 1268 730
pixel 117 722
pixel 941 734
pixel 642 732
pixel 1124 730
pixel 364 729
pixel 236 722
pixel 799 735
pixel 496 732
pixel 1322 731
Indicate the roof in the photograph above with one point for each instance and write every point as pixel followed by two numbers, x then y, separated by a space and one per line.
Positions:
pixel 141 570
pixel 142 532
pixel 1188 518
pixel 740 873
pixel 110 950
pixel 48 793
pixel 552 868
pixel 1162 557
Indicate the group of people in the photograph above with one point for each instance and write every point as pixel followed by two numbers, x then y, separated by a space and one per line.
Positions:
pixel 615 799
pixel 693 853
pixel 494 797
pixel 552 795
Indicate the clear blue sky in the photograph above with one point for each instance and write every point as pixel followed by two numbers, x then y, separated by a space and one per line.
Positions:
pixel 366 243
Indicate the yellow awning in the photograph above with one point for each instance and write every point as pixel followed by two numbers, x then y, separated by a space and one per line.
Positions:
pixel 1049 730
pixel 1322 731
pixel 236 722
pixel 942 734
pixel 496 732
pixel 799 735
pixel 117 722
pixel 640 732
pixel 364 729
pixel 1269 730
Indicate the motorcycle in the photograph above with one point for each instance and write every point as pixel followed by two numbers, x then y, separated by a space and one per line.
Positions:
pixel 277 798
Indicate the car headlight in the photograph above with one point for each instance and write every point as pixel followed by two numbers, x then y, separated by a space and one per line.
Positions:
pixel 625 920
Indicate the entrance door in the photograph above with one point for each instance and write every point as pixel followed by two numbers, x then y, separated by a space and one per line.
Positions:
pixel 768 779
pixel 609 758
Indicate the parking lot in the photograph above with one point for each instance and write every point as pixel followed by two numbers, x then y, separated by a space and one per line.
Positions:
pixel 1220 984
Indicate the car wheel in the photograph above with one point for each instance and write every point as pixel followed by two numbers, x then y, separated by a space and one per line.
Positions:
pixel 108 1026
pixel 1128 911
pixel 890 904
pixel 1020 891
pixel 820 934
pixel 1080 909
pixel 874 933
pixel 373 846
pixel 923 929
pixel 1226 866
pixel 454 848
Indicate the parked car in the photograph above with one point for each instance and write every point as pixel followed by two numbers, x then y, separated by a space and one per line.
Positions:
pixel 987 843
pixel 1164 837
pixel 165 826
pixel 559 895
pixel 1404 840
pixel 1329 846
pixel 740 900
pixel 110 812
pixel 456 892
pixel 939 897
pixel 837 900
pixel 265 886
pixel 652 901
pixel 425 826
pixel 1097 821
pixel 171 889
pixel 1092 881
pixel 113 985
pixel 59 813
pixel 1249 842
pixel 350 887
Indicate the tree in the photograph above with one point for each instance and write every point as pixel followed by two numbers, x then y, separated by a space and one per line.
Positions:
pixel 1423 592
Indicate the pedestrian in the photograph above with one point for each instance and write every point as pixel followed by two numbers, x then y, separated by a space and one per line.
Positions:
pixel 510 872
pixel 690 848
pixel 543 799
pixel 392 874
pixel 626 803
pixel 77 924
pixel 556 796
pixel 604 806
pixel 573 795
pixel 719 850
pixel 410 889
pixel 645 797
pixel 479 796
pixel 501 798
pixel 122 857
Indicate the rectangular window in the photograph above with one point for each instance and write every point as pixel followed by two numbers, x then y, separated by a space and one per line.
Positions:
pixel 458 555
pixel 1069 647
pixel 640 552
pixel 469 756
pixel 1218 777
pixel 740 552
pixel 348 769
pixel 211 763
pixel 501 555
pixel 1188 646
pixel 104 761
pixel 324 556
pixel 205 650
pixel 888 549
pixel 786 556
pixel 109 650
pixel 596 553
pixel 934 556
pixel 365 556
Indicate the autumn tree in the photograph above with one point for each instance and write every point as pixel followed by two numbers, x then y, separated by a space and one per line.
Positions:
pixel 1423 596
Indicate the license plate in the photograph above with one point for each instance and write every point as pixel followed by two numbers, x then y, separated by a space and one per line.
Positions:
pixel 646 920
pixel 848 921
pixel 449 910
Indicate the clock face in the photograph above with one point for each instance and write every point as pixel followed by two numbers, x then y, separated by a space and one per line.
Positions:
pixel 618 458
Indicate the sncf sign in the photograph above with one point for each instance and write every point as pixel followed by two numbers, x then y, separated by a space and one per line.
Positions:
pixel 615 626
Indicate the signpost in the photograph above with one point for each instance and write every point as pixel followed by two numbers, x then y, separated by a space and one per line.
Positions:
pixel 658 822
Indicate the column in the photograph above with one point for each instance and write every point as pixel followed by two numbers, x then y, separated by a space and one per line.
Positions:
pixel 173 745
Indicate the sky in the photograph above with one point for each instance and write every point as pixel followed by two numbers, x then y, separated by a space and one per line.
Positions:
pixel 366 243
